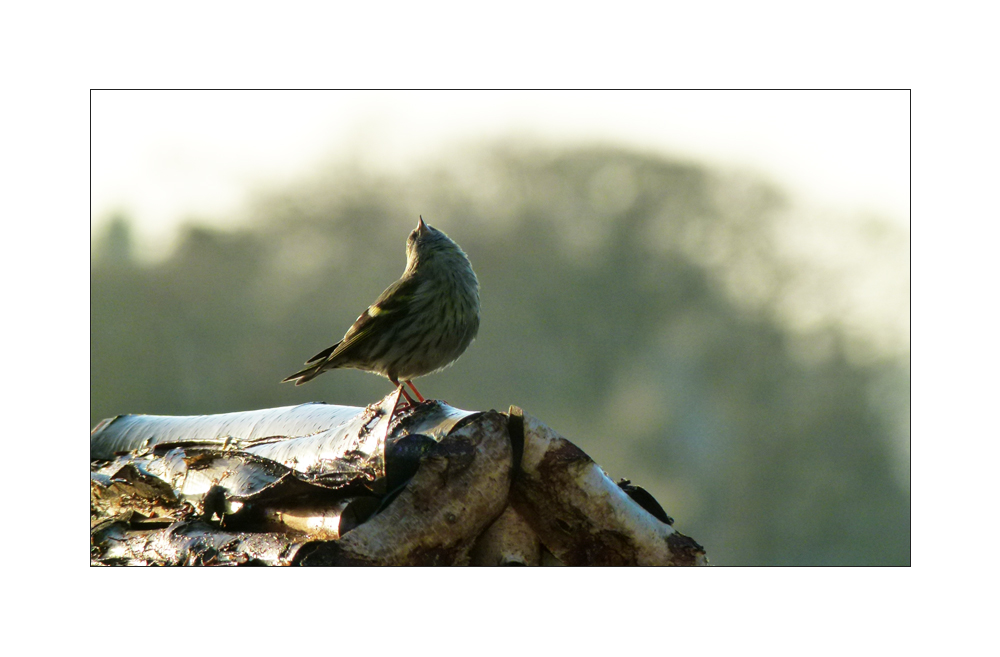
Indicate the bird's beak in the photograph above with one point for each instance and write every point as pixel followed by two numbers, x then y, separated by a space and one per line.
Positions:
pixel 421 227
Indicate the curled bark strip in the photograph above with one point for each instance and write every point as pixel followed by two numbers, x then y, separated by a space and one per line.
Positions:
pixel 326 522
pixel 193 543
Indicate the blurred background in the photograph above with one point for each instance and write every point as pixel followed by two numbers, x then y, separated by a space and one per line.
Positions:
pixel 708 292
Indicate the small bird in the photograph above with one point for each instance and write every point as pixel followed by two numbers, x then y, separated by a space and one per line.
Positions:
pixel 421 324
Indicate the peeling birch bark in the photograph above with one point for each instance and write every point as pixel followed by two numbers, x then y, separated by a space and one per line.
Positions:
pixel 509 541
pixel 325 522
pixel 331 485
pixel 190 543
pixel 581 515
pixel 459 488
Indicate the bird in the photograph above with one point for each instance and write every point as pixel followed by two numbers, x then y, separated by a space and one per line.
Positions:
pixel 419 325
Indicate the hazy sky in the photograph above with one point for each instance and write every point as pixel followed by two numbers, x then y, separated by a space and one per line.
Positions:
pixel 164 156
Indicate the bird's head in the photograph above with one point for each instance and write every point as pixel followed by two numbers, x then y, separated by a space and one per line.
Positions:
pixel 427 243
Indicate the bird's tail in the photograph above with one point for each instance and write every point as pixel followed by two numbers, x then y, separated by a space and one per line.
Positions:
pixel 305 374
pixel 314 367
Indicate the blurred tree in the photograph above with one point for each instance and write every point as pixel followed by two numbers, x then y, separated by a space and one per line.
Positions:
pixel 114 245
pixel 637 305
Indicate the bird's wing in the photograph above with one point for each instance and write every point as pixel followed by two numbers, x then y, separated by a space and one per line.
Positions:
pixel 391 307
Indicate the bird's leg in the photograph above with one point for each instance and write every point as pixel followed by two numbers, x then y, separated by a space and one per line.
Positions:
pixel 409 400
pixel 415 391
pixel 392 413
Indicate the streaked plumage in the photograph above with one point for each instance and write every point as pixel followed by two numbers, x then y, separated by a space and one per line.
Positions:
pixel 421 323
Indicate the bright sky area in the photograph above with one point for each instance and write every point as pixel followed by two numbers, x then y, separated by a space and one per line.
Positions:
pixel 166 156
